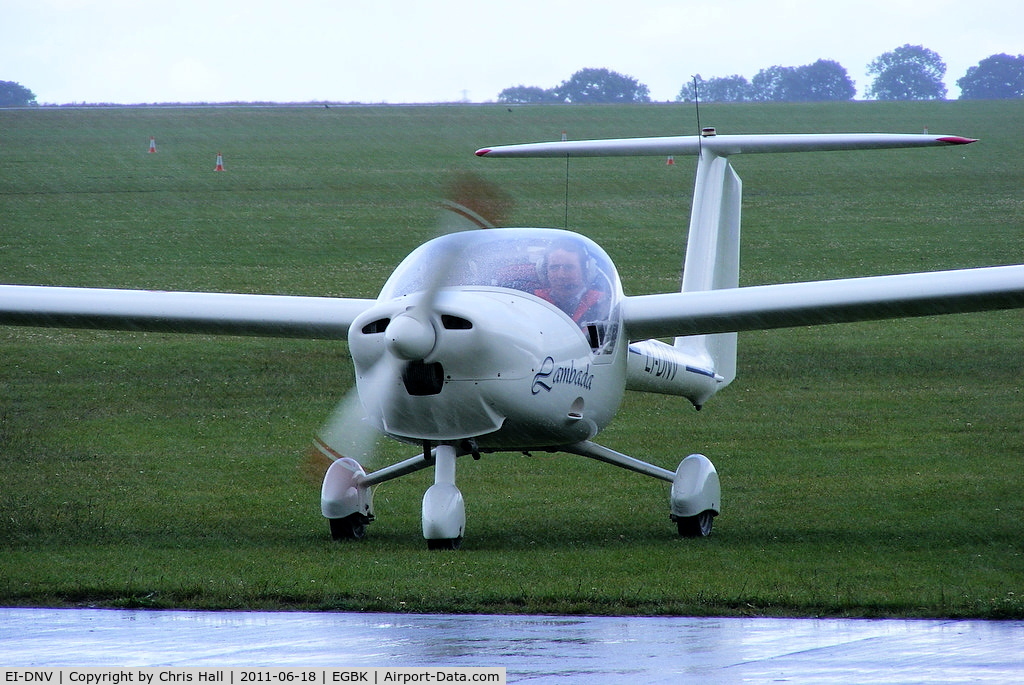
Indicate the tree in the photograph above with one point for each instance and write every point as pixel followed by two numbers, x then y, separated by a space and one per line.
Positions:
pixel 15 95
pixel 996 77
pixel 772 84
pixel 733 88
pixel 523 95
pixel 910 72
pixel 821 81
pixel 602 85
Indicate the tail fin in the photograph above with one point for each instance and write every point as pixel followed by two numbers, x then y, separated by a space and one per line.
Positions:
pixel 713 254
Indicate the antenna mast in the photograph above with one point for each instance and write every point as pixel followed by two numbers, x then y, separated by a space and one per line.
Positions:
pixel 696 105
pixel 565 137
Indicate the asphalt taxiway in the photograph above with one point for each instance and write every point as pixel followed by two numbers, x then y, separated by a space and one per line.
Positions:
pixel 533 649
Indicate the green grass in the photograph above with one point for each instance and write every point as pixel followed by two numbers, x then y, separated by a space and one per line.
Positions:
pixel 868 469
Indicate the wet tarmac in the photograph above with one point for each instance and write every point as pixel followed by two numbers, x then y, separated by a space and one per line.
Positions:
pixel 533 649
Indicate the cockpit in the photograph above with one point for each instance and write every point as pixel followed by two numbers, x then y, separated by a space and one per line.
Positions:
pixel 563 268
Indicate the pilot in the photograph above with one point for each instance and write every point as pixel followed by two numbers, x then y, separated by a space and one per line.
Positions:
pixel 566 270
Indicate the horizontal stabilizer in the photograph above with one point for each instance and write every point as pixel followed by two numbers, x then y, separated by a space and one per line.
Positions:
pixel 722 146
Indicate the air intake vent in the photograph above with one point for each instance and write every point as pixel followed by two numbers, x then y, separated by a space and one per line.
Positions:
pixel 423 379
pixel 455 323
pixel 377 326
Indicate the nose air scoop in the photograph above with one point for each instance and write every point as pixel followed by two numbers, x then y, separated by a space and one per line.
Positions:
pixel 409 338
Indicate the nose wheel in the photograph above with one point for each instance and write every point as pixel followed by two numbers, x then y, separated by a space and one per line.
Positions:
pixel 444 544
pixel 444 512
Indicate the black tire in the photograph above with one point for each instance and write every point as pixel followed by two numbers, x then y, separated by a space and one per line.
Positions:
pixel 444 544
pixel 351 527
pixel 698 526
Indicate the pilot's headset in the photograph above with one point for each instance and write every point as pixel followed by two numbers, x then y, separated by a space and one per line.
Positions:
pixel 576 247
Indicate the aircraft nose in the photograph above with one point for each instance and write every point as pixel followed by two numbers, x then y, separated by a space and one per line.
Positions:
pixel 409 338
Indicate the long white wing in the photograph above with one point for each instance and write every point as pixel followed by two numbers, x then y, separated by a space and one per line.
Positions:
pixel 723 146
pixel 823 302
pixel 180 312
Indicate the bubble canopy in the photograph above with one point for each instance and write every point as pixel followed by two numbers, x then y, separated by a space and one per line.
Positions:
pixel 507 258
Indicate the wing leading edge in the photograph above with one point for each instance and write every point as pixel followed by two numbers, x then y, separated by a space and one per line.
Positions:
pixel 180 312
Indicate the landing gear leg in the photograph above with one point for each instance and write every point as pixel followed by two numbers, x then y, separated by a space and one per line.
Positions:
pixel 444 512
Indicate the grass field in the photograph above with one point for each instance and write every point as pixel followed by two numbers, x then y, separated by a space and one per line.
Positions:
pixel 868 469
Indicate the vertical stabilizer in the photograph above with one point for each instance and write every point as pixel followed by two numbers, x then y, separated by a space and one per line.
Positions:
pixel 713 254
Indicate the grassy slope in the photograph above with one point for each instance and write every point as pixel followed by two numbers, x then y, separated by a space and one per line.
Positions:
pixel 868 469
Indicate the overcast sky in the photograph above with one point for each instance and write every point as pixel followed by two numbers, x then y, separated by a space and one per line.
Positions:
pixel 132 51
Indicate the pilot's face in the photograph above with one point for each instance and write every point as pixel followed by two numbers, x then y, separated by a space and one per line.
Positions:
pixel 565 274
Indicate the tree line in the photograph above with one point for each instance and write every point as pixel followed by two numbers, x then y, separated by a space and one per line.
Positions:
pixel 910 72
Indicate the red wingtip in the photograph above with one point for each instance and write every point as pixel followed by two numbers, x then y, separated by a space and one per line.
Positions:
pixel 957 140
pixel 482 152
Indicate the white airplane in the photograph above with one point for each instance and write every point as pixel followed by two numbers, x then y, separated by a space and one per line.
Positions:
pixel 521 339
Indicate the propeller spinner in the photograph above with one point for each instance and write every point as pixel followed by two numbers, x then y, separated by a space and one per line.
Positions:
pixel 410 337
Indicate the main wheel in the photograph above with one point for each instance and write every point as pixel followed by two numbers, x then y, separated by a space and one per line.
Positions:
pixel 445 543
pixel 698 526
pixel 351 527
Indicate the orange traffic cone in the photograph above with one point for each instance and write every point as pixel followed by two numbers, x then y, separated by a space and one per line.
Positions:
pixel 152 144
pixel 671 161
pixel 220 162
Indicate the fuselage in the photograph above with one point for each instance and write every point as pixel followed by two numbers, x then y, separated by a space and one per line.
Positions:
pixel 499 363
pixel 466 342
